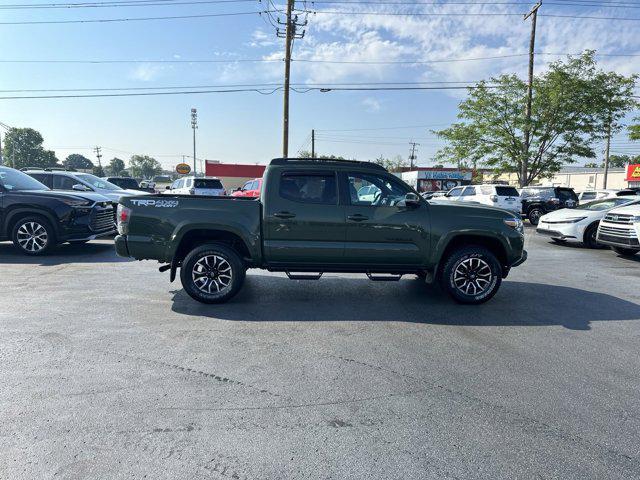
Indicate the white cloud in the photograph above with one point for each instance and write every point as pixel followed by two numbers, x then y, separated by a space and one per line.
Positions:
pixel 147 72
pixel 371 104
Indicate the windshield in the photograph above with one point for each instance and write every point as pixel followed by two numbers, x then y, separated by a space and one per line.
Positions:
pixel 14 180
pixel 96 182
pixel 606 204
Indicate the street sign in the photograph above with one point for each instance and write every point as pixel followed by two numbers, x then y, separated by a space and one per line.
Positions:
pixel 183 168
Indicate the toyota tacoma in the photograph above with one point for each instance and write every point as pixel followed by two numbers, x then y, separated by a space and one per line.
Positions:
pixel 311 219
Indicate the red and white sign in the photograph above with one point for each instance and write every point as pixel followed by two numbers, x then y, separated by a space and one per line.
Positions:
pixel 633 173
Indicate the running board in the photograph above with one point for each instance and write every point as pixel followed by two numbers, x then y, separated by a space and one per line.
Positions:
pixel 293 276
pixel 384 278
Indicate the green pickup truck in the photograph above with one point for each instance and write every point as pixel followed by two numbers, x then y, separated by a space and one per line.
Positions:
pixel 317 216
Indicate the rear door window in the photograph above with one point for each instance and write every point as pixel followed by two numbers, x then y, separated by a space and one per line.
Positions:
pixel 304 187
pixel 62 182
pixel 565 194
pixel 507 192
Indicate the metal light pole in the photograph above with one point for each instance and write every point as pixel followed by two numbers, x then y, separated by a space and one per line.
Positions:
pixel 194 125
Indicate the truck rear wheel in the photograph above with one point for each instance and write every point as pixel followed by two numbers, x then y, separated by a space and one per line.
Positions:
pixel 471 275
pixel 212 273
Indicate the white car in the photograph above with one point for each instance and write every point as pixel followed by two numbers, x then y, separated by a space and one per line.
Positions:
pixel 368 193
pixel 591 195
pixel 501 196
pixel 620 229
pixel 197 186
pixel 580 224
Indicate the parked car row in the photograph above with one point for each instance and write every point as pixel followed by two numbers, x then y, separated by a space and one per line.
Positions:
pixel 35 217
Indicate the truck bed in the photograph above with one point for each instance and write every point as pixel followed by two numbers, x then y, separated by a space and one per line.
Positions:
pixel 159 223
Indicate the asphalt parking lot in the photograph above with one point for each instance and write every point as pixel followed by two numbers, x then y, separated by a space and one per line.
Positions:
pixel 109 371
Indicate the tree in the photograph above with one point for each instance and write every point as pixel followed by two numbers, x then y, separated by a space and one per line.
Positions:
pixel 23 148
pixel 115 167
pixel 98 171
pixel 77 162
pixel 619 161
pixel 144 166
pixel 634 130
pixel 568 111
pixel 395 164
pixel 307 154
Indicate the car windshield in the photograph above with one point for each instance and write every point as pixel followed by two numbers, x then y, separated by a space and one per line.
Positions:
pixel 15 180
pixel 606 204
pixel 207 183
pixel 96 182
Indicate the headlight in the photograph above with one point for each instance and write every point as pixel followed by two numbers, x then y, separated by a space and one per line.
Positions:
pixel 515 223
pixel 76 203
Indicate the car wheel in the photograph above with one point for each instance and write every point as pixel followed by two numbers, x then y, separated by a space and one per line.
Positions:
pixel 590 236
pixel 625 252
pixel 534 216
pixel 33 235
pixel 212 273
pixel 471 275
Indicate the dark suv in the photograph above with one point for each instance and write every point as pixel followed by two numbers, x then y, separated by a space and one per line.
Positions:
pixel 36 218
pixel 536 201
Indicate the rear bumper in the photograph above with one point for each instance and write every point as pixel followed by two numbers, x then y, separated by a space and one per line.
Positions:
pixel 122 249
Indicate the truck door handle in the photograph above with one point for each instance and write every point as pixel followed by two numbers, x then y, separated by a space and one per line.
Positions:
pixel 357 217
pixel 284 215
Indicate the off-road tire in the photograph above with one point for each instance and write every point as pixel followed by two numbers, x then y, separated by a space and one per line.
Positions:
pixel 40 243
pixel 220 261
pixel 478 262
pixel 590 234
pixel 534 216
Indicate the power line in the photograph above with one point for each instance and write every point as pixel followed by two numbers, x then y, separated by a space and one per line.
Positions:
pixel 468 14
pixel 133 19
pixel 302 60
pixel 238 90
pixel 148 3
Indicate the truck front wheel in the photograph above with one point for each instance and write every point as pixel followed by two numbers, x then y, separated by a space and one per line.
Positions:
pixel 212 273
pixel 471 275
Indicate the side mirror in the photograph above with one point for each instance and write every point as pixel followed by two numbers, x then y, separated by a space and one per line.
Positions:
pixel 79 187
pixel 167 187
pixel 411 200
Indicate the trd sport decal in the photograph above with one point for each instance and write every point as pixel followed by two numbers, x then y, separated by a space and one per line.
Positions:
pixel 156 203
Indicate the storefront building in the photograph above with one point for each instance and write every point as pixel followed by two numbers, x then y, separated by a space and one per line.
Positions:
pixel 435 179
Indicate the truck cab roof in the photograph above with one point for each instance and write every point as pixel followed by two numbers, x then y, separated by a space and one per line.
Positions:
pixel 333 162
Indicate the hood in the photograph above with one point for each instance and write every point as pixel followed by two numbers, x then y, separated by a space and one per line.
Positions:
pixel 117 195
pixel 628 210
pixel 94 197
pixel 469 208
pixel 569 213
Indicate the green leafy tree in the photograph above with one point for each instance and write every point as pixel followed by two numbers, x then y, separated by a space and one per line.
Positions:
pixel 77 162
pixel 307 154
pixel 144 166
pixel 116 166
pixel 23 148
pixel 395 164
pixel 98 171
pixel 634 130
pixel 571 102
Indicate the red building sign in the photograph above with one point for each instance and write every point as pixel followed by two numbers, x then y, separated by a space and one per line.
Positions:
pixel 633 173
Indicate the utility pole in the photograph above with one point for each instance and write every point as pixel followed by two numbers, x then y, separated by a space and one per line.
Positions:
pixel 194 126
pixel 524 167
pixel 313 143
pixel 289 35
pixel 412 155
pixel 1 162
pixel 606 157
pixel 98 151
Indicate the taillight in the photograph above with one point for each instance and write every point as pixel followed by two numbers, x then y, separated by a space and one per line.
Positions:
pixel 493 198
pixel 123 215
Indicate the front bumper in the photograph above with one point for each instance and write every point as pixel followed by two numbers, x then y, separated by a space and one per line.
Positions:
pixel 521 260
pixel 89 236
pixel 563 231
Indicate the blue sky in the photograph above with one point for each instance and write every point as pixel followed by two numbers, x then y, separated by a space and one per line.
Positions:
pixel 246 127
